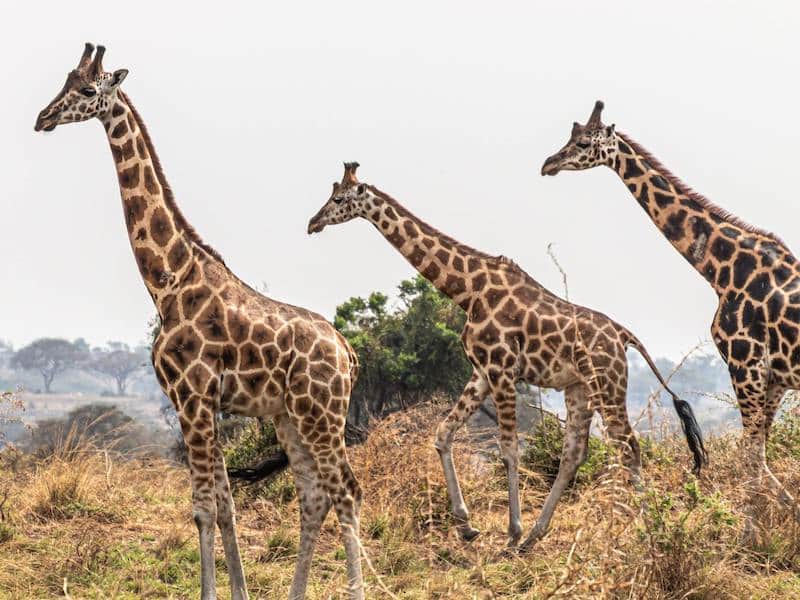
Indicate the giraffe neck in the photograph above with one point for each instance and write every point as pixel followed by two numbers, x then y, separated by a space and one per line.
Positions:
pixel 707 236
pixel 446 263
pixel 164 245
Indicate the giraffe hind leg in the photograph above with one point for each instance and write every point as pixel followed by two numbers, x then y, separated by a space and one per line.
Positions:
pixel 573 454
pixel 334 472
pixel 315 503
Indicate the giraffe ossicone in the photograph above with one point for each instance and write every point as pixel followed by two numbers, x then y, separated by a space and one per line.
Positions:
pixel 754 274
pixel 515 330
pixel 222 346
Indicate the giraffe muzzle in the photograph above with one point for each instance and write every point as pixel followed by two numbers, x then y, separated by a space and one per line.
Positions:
pixel 45 121
pixel 552 165
pixel 315 226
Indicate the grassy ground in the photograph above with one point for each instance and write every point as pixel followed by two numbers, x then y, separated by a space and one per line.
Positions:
pixel 91 526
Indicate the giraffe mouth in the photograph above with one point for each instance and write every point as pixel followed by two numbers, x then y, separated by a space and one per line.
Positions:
pixel 45 124
pixel 552 165
pixel 315 227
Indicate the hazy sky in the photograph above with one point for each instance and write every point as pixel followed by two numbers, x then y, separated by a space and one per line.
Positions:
pixel 449 107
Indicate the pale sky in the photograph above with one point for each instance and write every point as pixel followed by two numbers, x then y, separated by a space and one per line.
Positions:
pixel 450 107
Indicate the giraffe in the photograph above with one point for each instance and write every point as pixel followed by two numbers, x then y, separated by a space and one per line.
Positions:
pixel 223 346
pixel 757 279
pixel 515 330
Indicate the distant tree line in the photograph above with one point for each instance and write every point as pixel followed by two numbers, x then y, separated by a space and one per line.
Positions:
pixel 51 357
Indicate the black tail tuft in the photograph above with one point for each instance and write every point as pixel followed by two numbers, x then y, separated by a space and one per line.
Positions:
pixel 692 431
pixel 269 467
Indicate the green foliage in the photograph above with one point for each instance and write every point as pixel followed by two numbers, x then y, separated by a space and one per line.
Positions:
pixel 281 544
pixel 255 440
pixel 784 437
pixel 678 530
pixel 543 452
pixel 405 354
pixel 376 528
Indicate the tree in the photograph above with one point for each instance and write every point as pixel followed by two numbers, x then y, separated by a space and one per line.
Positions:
pixel 118 362
pixel 99 425
pixel 407 354
pixel 50 356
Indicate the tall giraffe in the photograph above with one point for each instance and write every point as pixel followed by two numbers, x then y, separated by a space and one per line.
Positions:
pixel 515 330
pixel 757 324
pixel 225 347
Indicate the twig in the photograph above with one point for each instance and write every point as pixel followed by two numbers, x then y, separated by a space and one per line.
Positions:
pixel 552 256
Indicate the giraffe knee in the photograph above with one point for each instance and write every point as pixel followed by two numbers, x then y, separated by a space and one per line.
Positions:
pixel 204 519
pixel 444 437
pixel 352 485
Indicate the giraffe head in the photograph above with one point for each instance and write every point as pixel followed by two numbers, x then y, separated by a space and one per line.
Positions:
pixel 88 92
pixel 349 199
pixel 588 146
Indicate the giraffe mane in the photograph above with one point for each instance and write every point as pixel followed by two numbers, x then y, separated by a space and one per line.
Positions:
pixel 169 197
pixel 433 232
pixel 687 191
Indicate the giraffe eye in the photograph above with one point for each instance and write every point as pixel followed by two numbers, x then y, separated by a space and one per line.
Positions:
pixel 582 145
pixel 338 199
pixel 88 91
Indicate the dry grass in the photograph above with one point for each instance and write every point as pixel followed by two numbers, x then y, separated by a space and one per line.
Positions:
pixel 98 527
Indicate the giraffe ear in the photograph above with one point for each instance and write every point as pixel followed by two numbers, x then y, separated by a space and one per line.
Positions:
pixel 361 189
pixel 610 129
pixel 117 77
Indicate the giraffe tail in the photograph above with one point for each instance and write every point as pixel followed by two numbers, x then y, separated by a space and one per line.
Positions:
pixel 691 429
pixel 267 468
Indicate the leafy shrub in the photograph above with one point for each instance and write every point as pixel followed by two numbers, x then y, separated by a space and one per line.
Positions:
pixel 255 440
pixel 542 453
pixel 784 437
pixel 678 531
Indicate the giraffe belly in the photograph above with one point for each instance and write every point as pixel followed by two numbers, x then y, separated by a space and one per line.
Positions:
pixel 557 377
pixel 253 394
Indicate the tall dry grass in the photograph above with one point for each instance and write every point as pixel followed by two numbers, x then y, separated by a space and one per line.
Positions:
pixel 90 524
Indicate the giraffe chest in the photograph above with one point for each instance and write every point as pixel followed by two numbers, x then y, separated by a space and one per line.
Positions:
pixel 762 336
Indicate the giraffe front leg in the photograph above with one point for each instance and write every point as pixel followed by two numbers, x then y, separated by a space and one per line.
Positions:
pixel 197 423
pixel 576 439
pixel 226 520
pixel 505 400
pixel 750 385
pixel 471 398
pixel 774 397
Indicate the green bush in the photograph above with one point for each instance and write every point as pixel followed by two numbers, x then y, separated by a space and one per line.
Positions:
pixel 784 437
pixel 255 440
pixel 542 453
pixel 680 530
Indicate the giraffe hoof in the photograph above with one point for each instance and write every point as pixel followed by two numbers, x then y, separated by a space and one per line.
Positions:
pixel 525 547
pixel 468 533
pixel 507 553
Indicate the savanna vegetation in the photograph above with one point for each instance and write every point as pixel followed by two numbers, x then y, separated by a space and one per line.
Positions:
pixel 86 522
pixel 89 508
